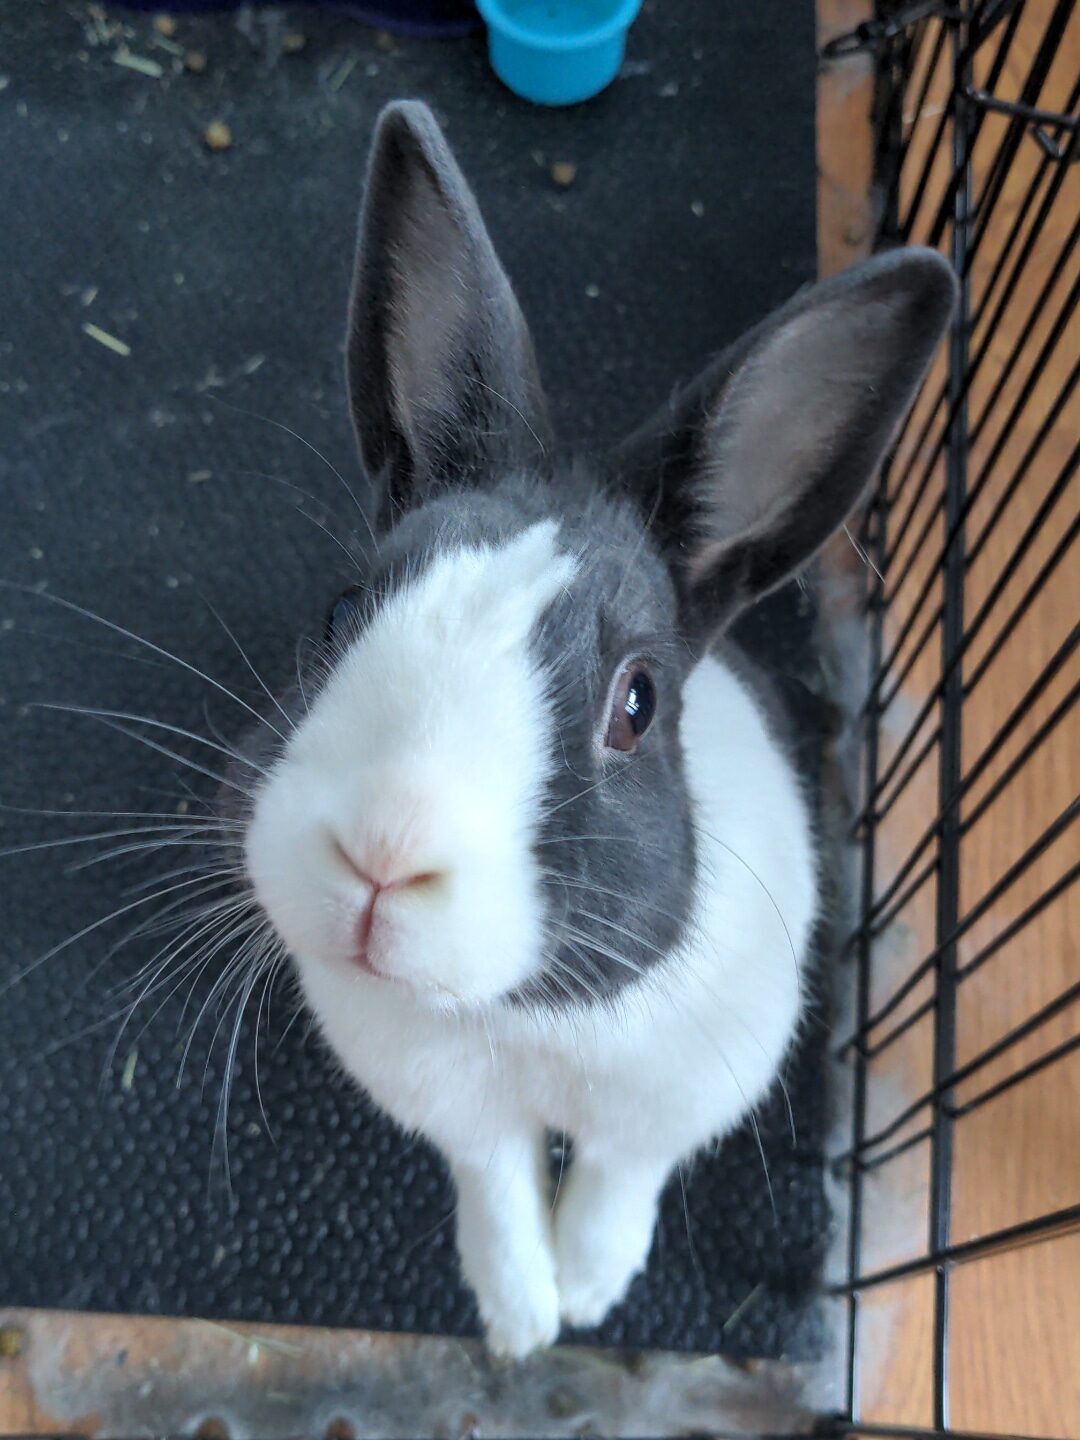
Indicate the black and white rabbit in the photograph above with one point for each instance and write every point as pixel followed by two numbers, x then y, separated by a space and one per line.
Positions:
pixel 540 859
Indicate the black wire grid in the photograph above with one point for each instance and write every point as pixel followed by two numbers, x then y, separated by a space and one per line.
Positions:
pixel 929 190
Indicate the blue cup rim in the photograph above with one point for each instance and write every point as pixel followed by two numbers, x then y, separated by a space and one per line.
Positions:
pixel 496 17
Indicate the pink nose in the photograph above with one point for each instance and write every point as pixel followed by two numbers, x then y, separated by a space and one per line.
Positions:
pixel 382 874
pixel 367 915
pixel 402 882
pixel 382 883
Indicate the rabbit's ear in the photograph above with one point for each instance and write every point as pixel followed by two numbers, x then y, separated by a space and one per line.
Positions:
pixel 749 471
pixel 441 372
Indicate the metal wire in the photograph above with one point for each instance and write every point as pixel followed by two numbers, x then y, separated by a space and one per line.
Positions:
pixel 971 157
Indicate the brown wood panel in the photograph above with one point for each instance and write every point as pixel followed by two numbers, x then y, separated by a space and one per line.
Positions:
pixel 896 1370
pixel 845 150
pixel 1014 1316
pixel 1015 1363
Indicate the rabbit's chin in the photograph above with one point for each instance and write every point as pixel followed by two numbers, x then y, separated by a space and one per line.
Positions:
pixel 423 970
pixel 364 974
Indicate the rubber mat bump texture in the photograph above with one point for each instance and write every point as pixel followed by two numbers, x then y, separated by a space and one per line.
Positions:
pixel 127 486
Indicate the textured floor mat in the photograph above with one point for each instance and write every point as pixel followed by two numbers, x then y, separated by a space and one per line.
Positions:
pixel 159 296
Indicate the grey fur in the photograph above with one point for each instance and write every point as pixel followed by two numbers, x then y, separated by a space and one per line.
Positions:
pixel 438 353
pixel 732 488
pixel 749 470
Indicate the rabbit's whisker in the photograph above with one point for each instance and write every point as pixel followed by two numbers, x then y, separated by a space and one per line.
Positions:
pixel 257 966
pixel 193 925
pixel 299 510
pixel 164 920
pixel 573 883
pixel 239 923
pixel 591 944
pixel 170 816
pixel 21 975
pixel 154 724
pixel 277 424
pixel 180 827
pixel 208 866
pixel 275 964
pixel 621 930
pixel 163 974
pixel 146 847
pixel 261 683
pixel 141 640
pixel 771 898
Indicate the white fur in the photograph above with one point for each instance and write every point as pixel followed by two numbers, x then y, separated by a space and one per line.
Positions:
pixel 424 754
pixel 675 1063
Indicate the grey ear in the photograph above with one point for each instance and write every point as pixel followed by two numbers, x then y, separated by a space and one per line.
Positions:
pixel 441 372
pixel 749 471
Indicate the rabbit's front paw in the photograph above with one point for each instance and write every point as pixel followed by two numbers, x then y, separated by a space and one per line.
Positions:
pixel 603 1233
pixel 519 1308
pixel 592 1279
pixel 504 1243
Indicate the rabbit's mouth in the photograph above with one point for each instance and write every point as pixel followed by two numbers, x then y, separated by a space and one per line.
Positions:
pixel 362 961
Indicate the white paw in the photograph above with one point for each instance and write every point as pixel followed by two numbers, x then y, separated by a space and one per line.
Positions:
pixel 520 1315
pixel 587 1293
pixel 594 1274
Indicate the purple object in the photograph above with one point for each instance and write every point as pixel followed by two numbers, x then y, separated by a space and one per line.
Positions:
pixel 429 19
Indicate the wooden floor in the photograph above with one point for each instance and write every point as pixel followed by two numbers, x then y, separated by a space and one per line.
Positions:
pixel 1014 1355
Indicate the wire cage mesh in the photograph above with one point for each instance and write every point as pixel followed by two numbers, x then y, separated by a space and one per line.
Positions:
pixel 962 1284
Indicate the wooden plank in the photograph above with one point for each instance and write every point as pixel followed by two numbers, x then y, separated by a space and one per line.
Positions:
pixel 845 144
pixel 119 1375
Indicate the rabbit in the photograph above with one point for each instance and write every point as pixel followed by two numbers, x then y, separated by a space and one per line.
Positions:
pixel 540 856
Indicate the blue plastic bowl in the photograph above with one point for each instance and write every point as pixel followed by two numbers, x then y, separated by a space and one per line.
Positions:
pixel 557 52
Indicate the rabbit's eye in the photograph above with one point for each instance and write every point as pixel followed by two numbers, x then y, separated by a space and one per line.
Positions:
pixel 632 708
pixel 345 617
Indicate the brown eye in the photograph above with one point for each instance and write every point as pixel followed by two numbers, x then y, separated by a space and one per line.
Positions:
pixel 632 708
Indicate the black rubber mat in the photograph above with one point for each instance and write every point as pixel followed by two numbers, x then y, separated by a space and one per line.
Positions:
pixel 131 485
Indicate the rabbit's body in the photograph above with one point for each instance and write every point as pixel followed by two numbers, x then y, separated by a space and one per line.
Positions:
pixel 640 1083
pixel 694 1042
pixel 539 856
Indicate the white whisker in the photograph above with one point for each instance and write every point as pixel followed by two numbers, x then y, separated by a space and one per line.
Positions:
pixel 592 944
pixel 21 975
pixel 65 840
pixel 261 682
pixel 160 922
pixel 123 815
pixel 141 640
pixel 157 978
pixel 207 866
pixel 118 852
pixel 95 714
pixel 277 424
pixel 173 755
pixel 510 404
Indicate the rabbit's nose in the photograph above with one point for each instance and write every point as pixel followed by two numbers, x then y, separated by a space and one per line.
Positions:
pixel 381 877
pixel 384 872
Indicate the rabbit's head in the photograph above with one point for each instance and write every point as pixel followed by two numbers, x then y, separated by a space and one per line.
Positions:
pixel 483 797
